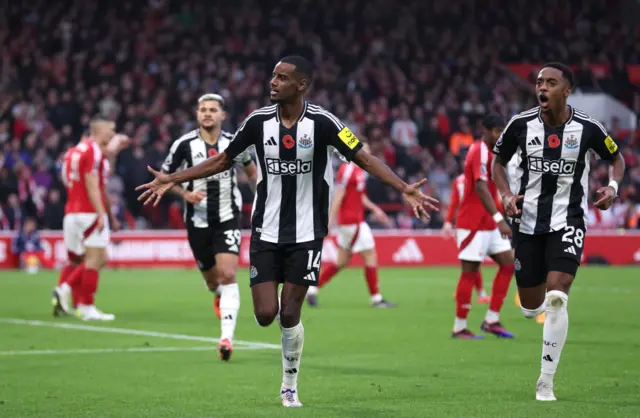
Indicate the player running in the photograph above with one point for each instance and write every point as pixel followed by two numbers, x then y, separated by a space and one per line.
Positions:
pixel 212 211
pixel 457 192
pixel 293 141
pixel 481 230
pixel 354 234
pixel 555 142
pixel 86 223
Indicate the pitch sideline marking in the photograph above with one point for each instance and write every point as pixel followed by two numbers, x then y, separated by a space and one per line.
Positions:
pixel 115 350
pixel 126 331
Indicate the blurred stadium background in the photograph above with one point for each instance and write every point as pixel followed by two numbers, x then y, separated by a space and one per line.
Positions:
pixel 413 78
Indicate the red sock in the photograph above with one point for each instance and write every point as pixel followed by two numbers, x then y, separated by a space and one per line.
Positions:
pixel 371 274
pixel 500 287
pixel 75 281
pixel 327 273
pixel 89 286
pixel 479 282
pixel 65 272
pixel 464 292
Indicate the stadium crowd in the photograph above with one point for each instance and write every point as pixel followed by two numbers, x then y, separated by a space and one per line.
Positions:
pixel 413 80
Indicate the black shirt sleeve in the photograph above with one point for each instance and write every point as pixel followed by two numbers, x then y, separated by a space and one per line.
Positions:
pixel 601 142
pixel 244 138
pixel 507 144
pixel 341 138
pixel 175 157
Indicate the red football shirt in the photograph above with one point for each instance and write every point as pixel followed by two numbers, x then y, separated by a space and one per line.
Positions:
pixel 85 158
pixel 353 179
pixel 477 166
pixel 457 191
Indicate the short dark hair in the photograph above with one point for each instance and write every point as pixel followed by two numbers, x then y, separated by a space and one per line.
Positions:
pixel 303 66
pixel 493 120
pixel 567 74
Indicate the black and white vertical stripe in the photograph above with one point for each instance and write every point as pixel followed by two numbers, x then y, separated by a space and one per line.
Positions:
pixel 552 173
pixel 223 201
pixel 295 175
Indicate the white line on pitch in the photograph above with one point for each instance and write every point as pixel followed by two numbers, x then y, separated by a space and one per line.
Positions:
pixel 115 350
pixel 125 331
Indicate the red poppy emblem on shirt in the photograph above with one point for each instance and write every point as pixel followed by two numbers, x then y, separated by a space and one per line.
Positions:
pixel 288 141
pixel 212 152
pixel 554 141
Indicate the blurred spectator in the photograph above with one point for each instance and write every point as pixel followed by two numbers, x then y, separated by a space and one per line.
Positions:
pixel 28 247
pixel 54 211
pixel 409 81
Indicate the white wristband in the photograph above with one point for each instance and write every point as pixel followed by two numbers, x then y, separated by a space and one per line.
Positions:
pixel 614 184
pixel 498 217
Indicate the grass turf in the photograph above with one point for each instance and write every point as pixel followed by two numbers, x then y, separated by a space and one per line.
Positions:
pixel 357 361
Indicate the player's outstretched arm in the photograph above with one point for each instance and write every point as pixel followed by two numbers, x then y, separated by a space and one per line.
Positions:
pixel 163 182
pixel 607 195
pixel 499 175
pixel 418 201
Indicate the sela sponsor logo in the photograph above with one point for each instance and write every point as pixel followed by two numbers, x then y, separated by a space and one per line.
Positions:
pixel 220 176
pixel 559 167
pixel 280 167
pixel 305 142
pixel 571 142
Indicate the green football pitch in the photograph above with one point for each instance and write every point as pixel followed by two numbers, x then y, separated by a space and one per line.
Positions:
pixel 158 359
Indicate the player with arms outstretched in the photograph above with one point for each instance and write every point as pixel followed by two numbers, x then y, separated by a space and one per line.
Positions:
pixel 555 142
pixel 457 192
pixel 86 223
pixel 293 141
pixel 354 234
pixel 481 230
pixel 212 211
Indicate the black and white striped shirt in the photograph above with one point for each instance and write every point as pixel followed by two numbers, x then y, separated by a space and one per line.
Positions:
pixel 553 170
pixel 224 201
pixel 295 174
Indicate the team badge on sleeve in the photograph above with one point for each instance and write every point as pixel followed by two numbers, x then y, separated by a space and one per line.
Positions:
pixel 612 146
pixel 348 138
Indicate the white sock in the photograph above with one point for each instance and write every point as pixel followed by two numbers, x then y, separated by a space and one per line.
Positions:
pixel 459 324
pixel 292 342
pixel 218 290
pixel 482 293
pixel 229 306
pixel 554 332
pixel 313 290
pixel 492 316
pixel 377 298
pixel 65 288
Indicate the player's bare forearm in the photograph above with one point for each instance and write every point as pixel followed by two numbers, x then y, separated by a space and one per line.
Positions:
pixel 367 203
pixel 93 191
pixel 616 171
pixel 107 202
pixel 252 174
pixel 209 167
pixel 499 176
pixel 377 168
pixel 178 191
pixel 485 197
pixel 338 196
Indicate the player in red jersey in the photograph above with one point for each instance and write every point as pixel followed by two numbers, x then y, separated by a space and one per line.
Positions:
pixel 86 223
pixel 457 192
pixel 481 230
pixel 354 234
